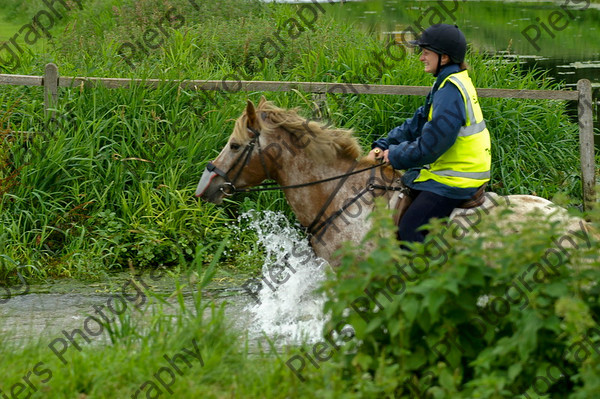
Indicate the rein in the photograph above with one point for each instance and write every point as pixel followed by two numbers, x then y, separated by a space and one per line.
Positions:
pixel 315 227
pixel 273 186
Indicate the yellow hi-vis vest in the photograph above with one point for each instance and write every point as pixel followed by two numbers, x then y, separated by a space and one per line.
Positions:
pixel 467 163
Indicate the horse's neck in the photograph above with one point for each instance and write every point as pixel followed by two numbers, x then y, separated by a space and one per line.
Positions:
pixel 312 201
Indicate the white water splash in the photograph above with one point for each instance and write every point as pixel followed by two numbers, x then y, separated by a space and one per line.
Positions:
pixel 288 309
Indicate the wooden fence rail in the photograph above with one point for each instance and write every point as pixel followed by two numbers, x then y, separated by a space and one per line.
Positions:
pixel 51 82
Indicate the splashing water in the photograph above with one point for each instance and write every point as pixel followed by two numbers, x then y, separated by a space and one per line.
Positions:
pixel 286 306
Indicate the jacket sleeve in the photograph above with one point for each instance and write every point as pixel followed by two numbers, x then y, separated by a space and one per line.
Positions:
pixel 436 135
pixel 408 131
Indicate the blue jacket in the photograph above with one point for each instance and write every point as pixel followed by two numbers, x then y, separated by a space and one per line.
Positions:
pixel 417 142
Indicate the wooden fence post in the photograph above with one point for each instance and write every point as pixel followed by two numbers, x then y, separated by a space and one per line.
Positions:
pixel 586 142
pixel 50 90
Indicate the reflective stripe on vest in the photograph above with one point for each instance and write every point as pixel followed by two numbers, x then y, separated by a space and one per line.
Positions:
pixel 470 175
pixel 472 128
pixel 467 163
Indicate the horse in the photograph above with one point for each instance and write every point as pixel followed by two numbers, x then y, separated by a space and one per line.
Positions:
pixel 330 188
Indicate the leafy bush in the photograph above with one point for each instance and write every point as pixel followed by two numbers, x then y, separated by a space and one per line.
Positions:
pixel 472 316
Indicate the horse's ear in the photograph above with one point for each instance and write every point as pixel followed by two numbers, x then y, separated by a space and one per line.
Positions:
pixel 263 100
pixel 251 114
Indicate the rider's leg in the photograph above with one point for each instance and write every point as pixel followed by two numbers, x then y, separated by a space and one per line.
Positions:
pixel 425 205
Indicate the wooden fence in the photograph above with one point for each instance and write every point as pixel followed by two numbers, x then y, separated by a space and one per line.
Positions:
pixel 51 81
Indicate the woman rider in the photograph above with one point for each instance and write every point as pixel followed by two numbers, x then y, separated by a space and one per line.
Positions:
pixel 445 146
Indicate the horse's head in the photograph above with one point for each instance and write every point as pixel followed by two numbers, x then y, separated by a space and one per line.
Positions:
pixel 241 163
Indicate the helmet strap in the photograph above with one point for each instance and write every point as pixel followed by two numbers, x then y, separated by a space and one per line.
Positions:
pixel 439 65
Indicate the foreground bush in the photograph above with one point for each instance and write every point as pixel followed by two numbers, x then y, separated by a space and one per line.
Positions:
pixel 500 316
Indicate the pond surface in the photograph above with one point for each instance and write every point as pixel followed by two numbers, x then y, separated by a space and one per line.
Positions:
pixel 44 310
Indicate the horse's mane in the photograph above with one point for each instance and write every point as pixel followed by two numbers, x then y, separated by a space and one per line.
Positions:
pixel 319 141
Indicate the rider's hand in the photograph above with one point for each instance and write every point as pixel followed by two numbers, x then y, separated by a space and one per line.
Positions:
pixel 385 156
pixel 375 155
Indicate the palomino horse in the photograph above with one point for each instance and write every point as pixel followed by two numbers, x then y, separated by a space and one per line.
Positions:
pixel 328 188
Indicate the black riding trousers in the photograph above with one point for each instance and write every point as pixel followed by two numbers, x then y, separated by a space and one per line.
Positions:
pixel 425 205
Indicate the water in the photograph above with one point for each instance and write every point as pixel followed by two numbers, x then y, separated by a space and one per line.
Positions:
pixel 286 307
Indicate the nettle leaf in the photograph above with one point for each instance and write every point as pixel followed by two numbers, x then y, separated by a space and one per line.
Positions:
pixel 555 289
pixel 543 302
pixel 416 360
pixel 504 346
pixel 452 286
pixel 410 306
pixel 484 359
pixel 374 324
pixel 528 336
pixel 433 302
pixel 552 323
pixel 362 360
pixel 427 286
pixel 393 308
pixel 380 257
pixel 446 379
pixel 394 326
pixel 461 271
pixel 514 370
pixel 359 325
pixel 437 393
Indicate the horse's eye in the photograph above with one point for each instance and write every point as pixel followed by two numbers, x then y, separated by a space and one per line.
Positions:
pixel 234 146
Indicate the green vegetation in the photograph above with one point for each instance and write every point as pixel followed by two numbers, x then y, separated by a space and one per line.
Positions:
pixel 463 326
pixel 476 316
pixel 135 355
pixel 109 185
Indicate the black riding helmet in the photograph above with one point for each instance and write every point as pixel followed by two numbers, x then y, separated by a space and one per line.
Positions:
pixel 444 39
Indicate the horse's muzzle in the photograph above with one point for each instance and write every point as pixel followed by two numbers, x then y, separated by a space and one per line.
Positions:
pixel 209 188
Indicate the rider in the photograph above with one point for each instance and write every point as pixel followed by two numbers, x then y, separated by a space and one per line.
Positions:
pixel 445 146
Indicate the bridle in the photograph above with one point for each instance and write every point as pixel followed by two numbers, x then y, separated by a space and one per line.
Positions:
pixel 244 156
pixel 315 227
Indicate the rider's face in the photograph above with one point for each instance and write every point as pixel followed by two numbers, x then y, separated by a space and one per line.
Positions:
pixel 429 60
